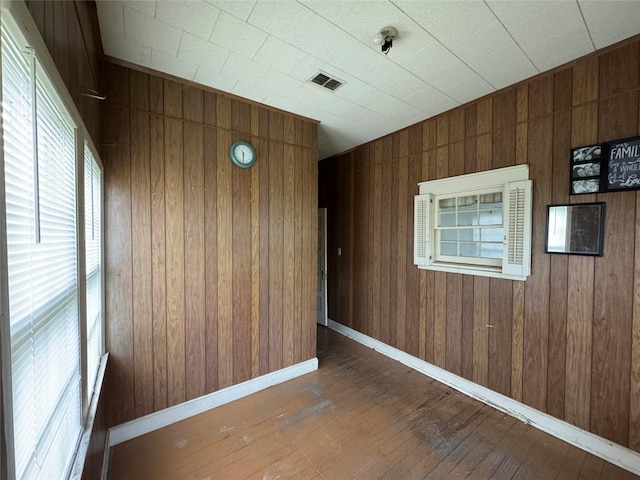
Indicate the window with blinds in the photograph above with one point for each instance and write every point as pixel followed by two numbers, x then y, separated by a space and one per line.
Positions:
pixel 93 259
pixel 43 257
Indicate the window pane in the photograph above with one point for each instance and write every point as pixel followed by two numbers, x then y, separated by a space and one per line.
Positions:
pixel 447 205
pixel 492 250
pixel 468 203
pixel 467 218
pixel 447 220
pixel 492 234
pixel 450 249
pixel 469 234
pixel 468 249
pixel 491 209
pixel 449 235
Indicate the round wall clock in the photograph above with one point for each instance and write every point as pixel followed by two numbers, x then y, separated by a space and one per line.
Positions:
pixel 242 154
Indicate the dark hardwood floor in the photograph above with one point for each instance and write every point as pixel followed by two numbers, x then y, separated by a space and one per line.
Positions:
pixel 360 416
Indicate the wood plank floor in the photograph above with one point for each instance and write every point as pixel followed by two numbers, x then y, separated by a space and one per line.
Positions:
pixel 360 416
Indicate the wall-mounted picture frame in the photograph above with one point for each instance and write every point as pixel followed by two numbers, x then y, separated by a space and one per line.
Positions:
pixel 622 165
pixel 586 170
pixel 575 228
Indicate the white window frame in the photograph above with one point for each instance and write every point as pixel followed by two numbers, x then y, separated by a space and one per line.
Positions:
pixel 21 24
pixel 516 190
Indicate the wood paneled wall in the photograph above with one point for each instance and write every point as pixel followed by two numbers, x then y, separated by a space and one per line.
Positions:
pixel 210 268
pixel 70 32
pixel 566 341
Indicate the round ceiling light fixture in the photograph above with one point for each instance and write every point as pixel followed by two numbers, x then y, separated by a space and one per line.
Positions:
pixel 385 37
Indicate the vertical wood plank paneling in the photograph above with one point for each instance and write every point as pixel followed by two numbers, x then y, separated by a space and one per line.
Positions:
pixel 194 251
pixel 401 318
pixel 276 247
pixel 276 126
pixel 375 228
pixel 485 115
pixel 619 71
pixel 255 262
pixel 141 263
pixel 193 104
pixel 224 232
pixel 288 321
pixel 412 327
pixel 158 265
pixel 440 318
pixel 429 133
pixel 613 298
pixel 453 347
pixel 481 327
pixel 156 94
pixel 263 148
pixel 241 116
pixel 585 81
pixel 172 100
pixel 241 271
pixel 119 302
pixel 370 250
pixel 174 201
pixel 210 108
pixel 517 341
pixel 385 244
pixel 289 130
pixel 442 130
pixel 360 264
pixel 393 255
pixel 60 52
pixel 500 321
pixel 211 255
pixel 558 273
pixel 536 327
pixel 634 390
pixel 139 91
pixel 309 247
pixel 579 341
pixel 580 278
pixel 299 194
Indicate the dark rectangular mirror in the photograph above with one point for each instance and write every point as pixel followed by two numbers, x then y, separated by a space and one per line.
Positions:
pixel 575 228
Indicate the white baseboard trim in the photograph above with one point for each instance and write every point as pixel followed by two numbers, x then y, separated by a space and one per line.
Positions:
pixel 605 449
pixel 148 423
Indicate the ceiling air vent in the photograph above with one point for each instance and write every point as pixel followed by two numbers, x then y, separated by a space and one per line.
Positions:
pixel 324 80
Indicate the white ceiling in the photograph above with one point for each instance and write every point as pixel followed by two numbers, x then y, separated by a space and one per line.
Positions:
pixel 447 52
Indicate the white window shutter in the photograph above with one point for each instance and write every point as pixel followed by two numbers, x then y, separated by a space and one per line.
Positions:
pixel 517 228
pixel 422 215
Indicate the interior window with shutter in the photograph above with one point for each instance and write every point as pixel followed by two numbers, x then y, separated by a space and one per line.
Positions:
pixel 478 224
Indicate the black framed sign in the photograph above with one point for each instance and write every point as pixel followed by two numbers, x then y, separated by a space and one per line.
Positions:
pixel 576 228
pixel 622 165
pixel 586 163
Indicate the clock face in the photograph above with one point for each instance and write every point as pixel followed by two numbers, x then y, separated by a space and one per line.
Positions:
pixel 242 154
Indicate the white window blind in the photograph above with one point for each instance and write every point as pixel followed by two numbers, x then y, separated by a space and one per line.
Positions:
pixel 93 256
pixel 42 269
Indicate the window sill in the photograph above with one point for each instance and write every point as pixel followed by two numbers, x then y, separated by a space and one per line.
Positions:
pixel 477 270
pixel 87 432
